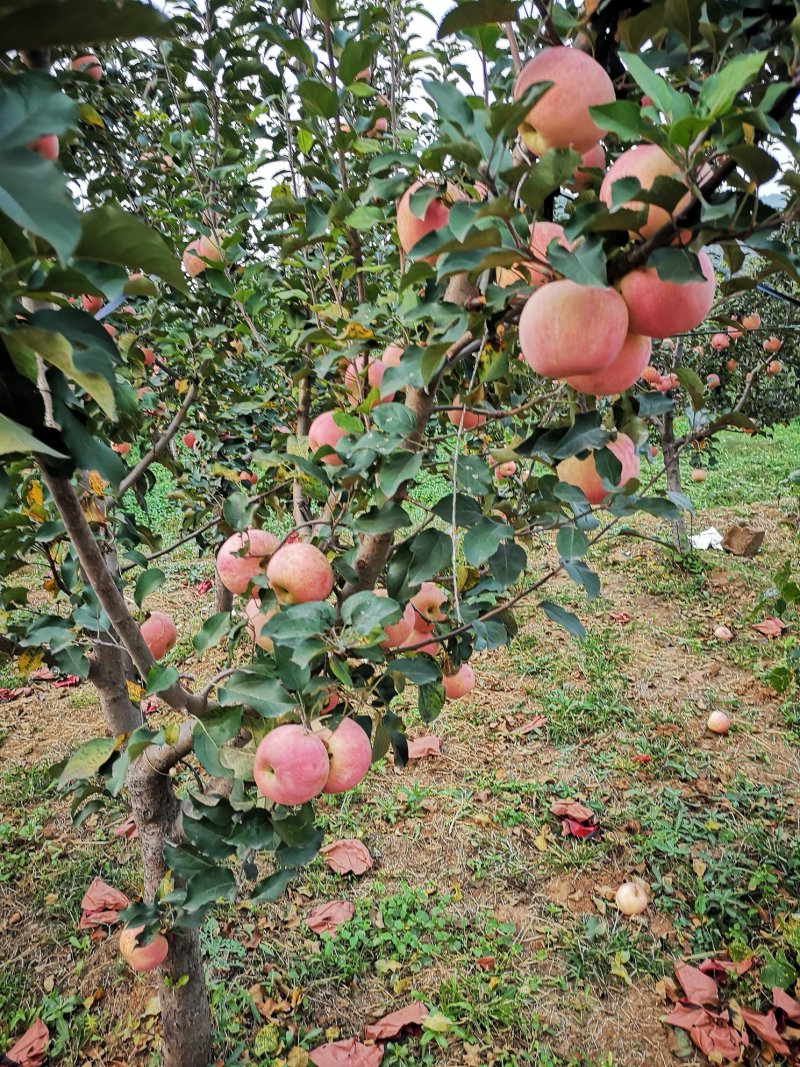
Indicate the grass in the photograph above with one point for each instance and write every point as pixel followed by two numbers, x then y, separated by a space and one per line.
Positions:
pixel 477 903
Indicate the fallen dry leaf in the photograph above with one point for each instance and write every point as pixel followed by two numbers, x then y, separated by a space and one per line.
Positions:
pixel 571 809
pixel 485 963
pixel 786 1004
pixel 203 587
pixel 771 627
pixel 723 966
pixel 393 1024
pixel 347 856
pixel 641 757
pixel 31 1049
pixel 350 1053
pixel 622 617
pixel 699 988
pixel 712 1034
pixel 419 747
pixel 329 917
pixel 101 905
pixel 766 1028
pixel 536 723
pixel 127 829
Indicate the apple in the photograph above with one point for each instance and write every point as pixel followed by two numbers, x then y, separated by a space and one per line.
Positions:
pixel 299 573
pixel 469 420
pixel 583 473
pixel 751 321
pixel 397 632
pixel 88 64
pixel 735 333
pixel 560 117
pixel 595 159
pixel 645 162
pixel 350 754
pixel 392 354
pixel 411 228
pixel 243 556
pixel 621 373
pixel 248 478
pixel 658 308
pixel 291 765
pixel 189 439
pixel 159 633
pixel 541 235
pixel 720 341
pixel 631 898
pixel 699 475
pixel 651 375
pixel 458 684
pixel 92 304
pixel 774 367
pixel 142 957
pixel 419 637
pixel 324 431
pixel 354 379
pixel 122 447
pixel 718 722
pixel 427 604
pixel 723 633
pixel 731 364
pixel 205 247
pixel 568 329
pixel 46 146
pixel 713 381
pixel 257 620
pixel 772 345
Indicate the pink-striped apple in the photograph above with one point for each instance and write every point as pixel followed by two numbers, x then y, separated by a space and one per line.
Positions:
pixel 291 765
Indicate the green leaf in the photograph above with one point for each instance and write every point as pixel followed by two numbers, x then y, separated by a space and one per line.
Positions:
pixel 431 700
pixel 571 543
pixel 271 888
pixel 581 575
pixel 87 759
pixel 367 612
pixel 432 552
pixel 468 13
pixel 318 98
pixel 624 118
pixel 112 235
pixel 401 466
pixel 212 631
pixel 481 542
pixel 659 90
pixel 690 380
pixel 32 105
pixel 356 56
pixel 380 520
pixel 571 623
pixel 48 23
pixel 474 475
pixel 421 670
pixel 147 583
pixel 721 89
pixel 160 677
pixel 34 195
pixel 365 218
pixel 16 439
pixel 79 367
pixel 586 265
pixel 265 695
pixel 508 563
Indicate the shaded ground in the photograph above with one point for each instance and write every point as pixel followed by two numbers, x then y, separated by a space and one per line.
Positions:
pixel 476 903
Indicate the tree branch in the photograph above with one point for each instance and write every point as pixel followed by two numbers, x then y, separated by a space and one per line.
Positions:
pixel 133 476
pixel 107 592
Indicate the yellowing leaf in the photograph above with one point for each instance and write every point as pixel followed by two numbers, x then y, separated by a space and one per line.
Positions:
pixel 135 692
pixel 90 116
pixel 618 966
pixel 437 1022
pixel 30 661
pixel 35 494
pixel 97 484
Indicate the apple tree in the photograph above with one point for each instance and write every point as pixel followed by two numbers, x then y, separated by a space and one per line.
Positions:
pixel 420 281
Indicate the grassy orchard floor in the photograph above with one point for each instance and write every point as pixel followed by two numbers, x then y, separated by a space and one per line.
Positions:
pixel 469 862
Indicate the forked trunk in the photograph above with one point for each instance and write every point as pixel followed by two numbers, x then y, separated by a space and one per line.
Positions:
pixel 185 1015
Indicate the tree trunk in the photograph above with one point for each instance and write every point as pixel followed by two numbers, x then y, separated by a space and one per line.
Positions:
pixel 185 1014
pixel 673 469
pixel 223 598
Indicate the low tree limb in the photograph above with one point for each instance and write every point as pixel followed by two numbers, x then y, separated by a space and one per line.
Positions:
pixel 133 476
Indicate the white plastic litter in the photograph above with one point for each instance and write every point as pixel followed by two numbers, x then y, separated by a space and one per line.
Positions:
pixel 710 538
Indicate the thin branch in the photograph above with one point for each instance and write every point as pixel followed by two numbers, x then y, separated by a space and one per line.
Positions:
pixel 516 62
pixel 133 476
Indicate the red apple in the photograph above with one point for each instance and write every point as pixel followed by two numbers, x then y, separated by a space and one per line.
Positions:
pixel 256 621
pixel 46 146
pixel 243 556
pixel 159 633
pixel 631 899
pixel 720 341
pixel 189 439
pixel 427 604
pixel 718 722
pixel 350 753
pixel 752 321
pixel 88 64
pixel 458 684
pixel 324 431
pixel 299 573
pixel 142 957
pixel 291 765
